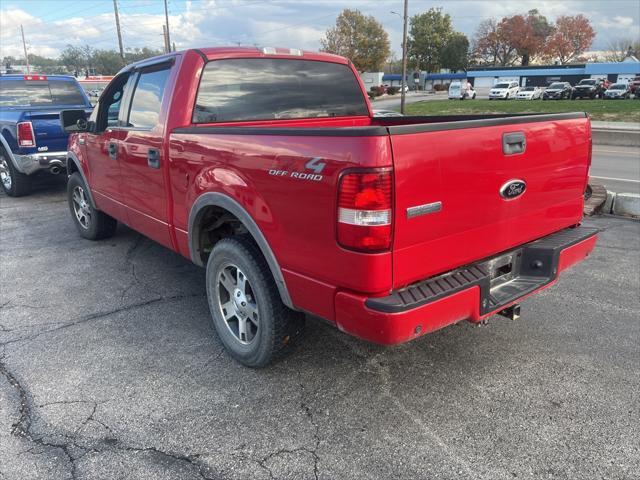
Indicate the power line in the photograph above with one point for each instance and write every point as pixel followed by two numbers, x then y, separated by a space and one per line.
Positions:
pixel 65 16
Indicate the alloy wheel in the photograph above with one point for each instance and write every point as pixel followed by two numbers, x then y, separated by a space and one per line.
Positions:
pixel 5 173
pixel 81 207
pixel 238 304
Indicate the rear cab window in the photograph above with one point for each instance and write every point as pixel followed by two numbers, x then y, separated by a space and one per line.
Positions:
pixel 233 90
pixel 37 93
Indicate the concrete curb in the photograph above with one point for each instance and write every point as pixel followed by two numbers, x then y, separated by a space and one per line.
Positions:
pixel 622 204
pixel 616 136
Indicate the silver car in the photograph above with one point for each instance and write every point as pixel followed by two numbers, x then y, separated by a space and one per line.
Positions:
pixel 618 91
pixel 529 93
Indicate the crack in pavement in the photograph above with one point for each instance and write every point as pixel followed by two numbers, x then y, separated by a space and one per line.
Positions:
pixel 316 430
pixel 128 259
pixel 22 428
pixel 99 315
pixel 306 409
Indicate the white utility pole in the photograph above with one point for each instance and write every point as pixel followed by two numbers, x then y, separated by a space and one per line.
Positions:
pixel 26 55
pixel 404 55
pixel 115 10
pixel 166 19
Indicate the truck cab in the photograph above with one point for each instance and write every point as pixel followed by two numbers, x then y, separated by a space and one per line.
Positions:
pixel 31 138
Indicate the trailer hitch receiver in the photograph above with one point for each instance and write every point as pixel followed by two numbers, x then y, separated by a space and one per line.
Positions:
pixel 512 312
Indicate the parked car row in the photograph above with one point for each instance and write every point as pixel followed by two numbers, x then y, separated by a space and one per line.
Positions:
pixel 586 88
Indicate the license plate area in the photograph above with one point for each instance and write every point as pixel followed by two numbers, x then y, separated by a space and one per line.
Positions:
pixel 503 269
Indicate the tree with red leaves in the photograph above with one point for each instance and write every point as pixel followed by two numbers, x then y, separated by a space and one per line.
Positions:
pixel 518 36
pixel 491 44
pixel 572 36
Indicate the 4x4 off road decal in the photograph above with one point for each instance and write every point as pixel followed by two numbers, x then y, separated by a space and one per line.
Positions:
pixel 316 165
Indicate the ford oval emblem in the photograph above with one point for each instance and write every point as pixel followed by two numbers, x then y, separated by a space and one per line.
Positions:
pixel 512 189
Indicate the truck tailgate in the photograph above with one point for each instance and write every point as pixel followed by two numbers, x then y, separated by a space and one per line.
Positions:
pixel 47 128
pixel 463 165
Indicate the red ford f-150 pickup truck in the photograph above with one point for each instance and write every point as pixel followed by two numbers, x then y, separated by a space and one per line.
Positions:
pixel 268 167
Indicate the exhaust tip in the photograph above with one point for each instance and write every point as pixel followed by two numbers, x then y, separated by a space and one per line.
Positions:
pixel 55 170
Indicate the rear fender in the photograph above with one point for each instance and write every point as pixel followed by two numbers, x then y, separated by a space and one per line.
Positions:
pixel 221 200
pixel 7 150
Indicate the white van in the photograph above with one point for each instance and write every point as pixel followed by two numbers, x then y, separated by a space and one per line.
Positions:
pixel 460 90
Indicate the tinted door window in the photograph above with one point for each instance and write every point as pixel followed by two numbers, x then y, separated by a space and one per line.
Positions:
pixel 147 99
pixel 106 112
pixel 268 88
pixel 19 92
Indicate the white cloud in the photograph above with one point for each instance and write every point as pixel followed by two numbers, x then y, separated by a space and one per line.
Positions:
pixel 293 23
pixel 624 21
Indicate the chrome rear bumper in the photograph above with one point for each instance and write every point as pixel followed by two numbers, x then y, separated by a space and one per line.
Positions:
pixel 29 164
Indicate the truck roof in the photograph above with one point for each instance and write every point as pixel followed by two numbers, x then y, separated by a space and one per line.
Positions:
pixel 20 76
pixel 213 53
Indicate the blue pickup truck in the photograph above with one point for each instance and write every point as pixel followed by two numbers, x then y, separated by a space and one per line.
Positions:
pixel 31 138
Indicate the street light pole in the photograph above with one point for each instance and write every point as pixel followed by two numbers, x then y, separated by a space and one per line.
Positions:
pixel 404 55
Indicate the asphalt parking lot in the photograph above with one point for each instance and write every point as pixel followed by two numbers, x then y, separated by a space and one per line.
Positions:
pixel 109 370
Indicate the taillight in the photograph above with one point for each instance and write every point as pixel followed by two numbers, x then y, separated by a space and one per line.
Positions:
pixel 26 137
pixel 35 78
pixel 365 210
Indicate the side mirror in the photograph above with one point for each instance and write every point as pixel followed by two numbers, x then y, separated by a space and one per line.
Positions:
pixel 73 121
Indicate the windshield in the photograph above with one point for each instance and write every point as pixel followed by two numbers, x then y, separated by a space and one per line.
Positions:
pixel 587 82
pixel 36 93
pixel 618 86
pixel 502 85
pixel 528 89
pixel 269 88
pixel 557 86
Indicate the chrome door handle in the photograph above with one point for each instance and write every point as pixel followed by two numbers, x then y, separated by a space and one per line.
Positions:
pixel 113 150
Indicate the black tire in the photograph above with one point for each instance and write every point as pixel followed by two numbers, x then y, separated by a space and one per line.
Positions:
pixel 14 183
pixel 275 328
pixel 97 225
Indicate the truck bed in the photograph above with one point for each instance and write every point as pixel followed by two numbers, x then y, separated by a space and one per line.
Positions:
pixel 454 161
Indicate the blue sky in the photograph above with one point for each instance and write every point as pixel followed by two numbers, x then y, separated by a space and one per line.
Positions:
pixel 52 24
